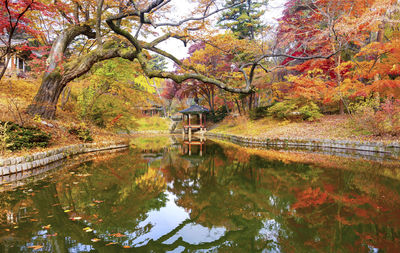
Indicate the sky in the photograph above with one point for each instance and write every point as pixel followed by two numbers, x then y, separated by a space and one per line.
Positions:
pixel 274 11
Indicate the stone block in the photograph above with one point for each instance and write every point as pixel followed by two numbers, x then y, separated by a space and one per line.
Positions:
pixel 13 169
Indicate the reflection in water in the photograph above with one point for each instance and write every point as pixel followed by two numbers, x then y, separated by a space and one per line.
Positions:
pixel 165 196
pixel 195 146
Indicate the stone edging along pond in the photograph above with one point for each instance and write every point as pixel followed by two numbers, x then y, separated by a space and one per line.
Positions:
pixel 392 148
pixel 25 163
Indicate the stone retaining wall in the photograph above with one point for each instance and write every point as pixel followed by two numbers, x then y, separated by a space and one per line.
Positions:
pixel 11 181
pixel 367 148
pixel 25 163
pixel 150 132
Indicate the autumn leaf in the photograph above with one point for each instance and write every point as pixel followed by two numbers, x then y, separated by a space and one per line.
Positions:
pixel 35 247
pixel 95 239
pixel 46 227
pixel 118 235
pixel 87 229
pixel 111 243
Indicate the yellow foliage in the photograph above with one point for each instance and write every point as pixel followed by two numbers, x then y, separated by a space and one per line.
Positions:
pixel 152 180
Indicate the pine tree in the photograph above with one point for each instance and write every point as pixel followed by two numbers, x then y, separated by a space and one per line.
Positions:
pixel 243 19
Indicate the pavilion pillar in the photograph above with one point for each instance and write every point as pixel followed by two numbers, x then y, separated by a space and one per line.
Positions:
pixel 201 120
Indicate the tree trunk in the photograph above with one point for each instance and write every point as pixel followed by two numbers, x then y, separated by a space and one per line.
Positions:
pixel 341 107
pixel 45 101
pixel 238 106
pixel 53 82
pixel 6 62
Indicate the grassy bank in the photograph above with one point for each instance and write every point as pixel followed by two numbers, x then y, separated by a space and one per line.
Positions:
pixel 17 94
pixel 334 127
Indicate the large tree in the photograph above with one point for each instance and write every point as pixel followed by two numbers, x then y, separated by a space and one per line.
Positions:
pixel 115 29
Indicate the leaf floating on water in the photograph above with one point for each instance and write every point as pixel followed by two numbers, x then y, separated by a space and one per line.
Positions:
pixel 75 182
pixel 118 235
pixel 67 211
pixel 83 175
pixel 55 234
pixel 76 218
pixel 91 204
pixel 111 243
pixel 33 220
pixel 46 227
pixel 95 239
pixel 98 201
pixel 35 247
pixel 126 247
pixel 56 204
pixel 87 229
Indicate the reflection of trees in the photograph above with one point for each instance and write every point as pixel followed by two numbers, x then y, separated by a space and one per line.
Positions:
pixel 314 209
pixel 321 209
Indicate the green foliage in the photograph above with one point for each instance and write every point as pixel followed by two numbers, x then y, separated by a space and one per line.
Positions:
pixel 16 137
pixel 243 19
pixel 158 62
pixel 152 123
pixel 295 109
pixel 310 112
pixel 82 132
pixel 108 99
pixel 218 115
pixel 258 112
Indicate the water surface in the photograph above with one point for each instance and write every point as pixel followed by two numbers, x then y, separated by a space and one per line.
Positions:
pixel 163 195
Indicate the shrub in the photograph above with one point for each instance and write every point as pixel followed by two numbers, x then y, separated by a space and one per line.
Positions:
pixel 375 117
pixel 4 138
pixel 82 132
pixel 310 112
pixel 295 109
pixel 19 137
pixel 258 112
pixel 218 115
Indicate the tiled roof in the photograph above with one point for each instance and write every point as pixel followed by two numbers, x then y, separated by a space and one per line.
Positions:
pixel 194 109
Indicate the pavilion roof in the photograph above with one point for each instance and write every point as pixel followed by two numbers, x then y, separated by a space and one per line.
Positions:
pixel 194 109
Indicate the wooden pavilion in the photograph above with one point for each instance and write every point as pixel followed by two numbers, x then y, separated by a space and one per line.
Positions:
pixel 194 119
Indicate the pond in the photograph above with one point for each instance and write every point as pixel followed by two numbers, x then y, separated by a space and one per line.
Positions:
pixel 163 195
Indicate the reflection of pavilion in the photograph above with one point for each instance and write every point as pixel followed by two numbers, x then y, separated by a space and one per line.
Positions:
pixel 194 146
